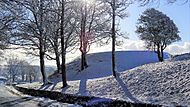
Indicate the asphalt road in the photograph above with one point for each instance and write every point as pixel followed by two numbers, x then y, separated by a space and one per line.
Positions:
pixel 7 99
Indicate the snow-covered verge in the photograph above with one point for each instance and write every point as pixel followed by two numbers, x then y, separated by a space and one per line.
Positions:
pixel 42 102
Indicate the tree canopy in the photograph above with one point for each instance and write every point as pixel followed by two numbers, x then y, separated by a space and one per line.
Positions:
pixel 157 30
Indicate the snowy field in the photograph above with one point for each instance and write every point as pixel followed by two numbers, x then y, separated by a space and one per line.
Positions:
pixel 165 83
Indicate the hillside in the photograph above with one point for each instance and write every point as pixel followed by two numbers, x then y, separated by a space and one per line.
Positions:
pixel 162 83
pixel 185 56
pixel 99 70
pixel 100 64
pixel 165 83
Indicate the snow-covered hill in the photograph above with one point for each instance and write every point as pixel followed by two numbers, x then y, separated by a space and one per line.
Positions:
pixel 100 64
pixel 185 56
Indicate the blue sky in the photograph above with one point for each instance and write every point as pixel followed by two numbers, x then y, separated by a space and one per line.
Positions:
pixel 178 12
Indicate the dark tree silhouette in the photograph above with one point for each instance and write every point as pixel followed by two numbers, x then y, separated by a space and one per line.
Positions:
pixel 157 30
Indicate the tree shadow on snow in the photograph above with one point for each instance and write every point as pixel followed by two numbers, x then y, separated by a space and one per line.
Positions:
pixel 125 89
pixel 65 89
pixel 53 87
pixel 82 87
pixel 44 87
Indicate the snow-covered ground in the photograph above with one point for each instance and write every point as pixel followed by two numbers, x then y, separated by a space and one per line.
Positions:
pixel 162 83
pixel 96 80
pixel 165 83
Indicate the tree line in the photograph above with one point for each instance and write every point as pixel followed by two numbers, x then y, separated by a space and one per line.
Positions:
pixel 18 70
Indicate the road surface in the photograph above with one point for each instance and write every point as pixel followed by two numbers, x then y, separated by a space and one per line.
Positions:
pixel 7 99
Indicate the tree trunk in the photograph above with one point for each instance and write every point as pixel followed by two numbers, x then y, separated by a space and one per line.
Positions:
pixel 30 77
pixel 42 46
pixel 64 71
pixel 113 39
pixel 13 78
pixel 22 76
pixel 63 52
pixel 85 61
pixel 58 64
pixel 162 54
pixel 159 53
pixel 57 55
pixel 42 64
pixel 83 40
pixel 82 61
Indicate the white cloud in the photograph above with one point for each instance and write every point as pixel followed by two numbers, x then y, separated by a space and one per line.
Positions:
pixel 127 45
pixel 139 45
pixel 172 49
pixel 134 45
pixel 179 49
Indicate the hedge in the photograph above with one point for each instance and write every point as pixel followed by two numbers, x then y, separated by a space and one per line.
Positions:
pixel 85 101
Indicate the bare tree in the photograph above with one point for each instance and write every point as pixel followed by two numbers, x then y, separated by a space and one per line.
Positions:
pixel 13 68
pixel 118 8
pixel 9 13
pixel 54 30
pixel 63 51
pixel 32 30
pixel 113 5
pixel 27 72
pixel 83 37
pixel 20 70
pixel 94 26
pixel 90 22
